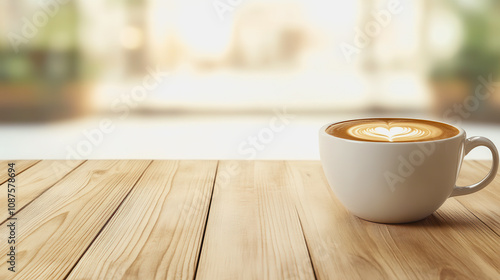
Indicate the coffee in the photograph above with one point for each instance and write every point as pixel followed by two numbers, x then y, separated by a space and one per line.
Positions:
pixel 392 130
pixel 387 174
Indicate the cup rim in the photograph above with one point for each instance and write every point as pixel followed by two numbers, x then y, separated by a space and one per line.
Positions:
pixel 322 131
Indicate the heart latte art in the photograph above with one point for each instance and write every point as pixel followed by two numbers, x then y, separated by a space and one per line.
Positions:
pixel 392 130
pixel 394 133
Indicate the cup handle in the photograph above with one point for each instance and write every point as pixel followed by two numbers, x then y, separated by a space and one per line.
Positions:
pixel 471 143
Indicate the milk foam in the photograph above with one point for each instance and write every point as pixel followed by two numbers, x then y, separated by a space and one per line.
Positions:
pixel 392 130
pixel 387 132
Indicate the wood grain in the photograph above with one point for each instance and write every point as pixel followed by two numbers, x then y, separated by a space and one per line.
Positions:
pixel 157 231
pixel 33 182
pixel 485 204
pixel 261 220
pixel 253 231
pixel 20 166
pixel 56 228
pixel 452 243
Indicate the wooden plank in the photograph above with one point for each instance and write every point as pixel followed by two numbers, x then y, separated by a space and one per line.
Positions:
pixel 56 228
pixel 484 204
pixel 33 182
pixel 451 243
pixel 157 231
pixel 20 166
pixel 253 231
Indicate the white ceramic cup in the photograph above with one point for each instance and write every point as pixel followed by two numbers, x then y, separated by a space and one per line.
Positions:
pixel 398 182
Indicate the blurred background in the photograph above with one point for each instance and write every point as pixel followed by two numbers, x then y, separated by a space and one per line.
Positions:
pixel 245 79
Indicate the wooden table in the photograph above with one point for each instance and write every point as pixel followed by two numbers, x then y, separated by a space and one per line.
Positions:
pixel 230 220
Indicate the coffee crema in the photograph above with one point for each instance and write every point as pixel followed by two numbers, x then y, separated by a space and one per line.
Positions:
pixel 392 130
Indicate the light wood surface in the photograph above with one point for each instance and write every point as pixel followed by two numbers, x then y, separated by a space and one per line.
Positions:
pixel 157 232
pixel 21 166
pixel 56 229
pixel 33 182
pixel 231 220
pixel 253 230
